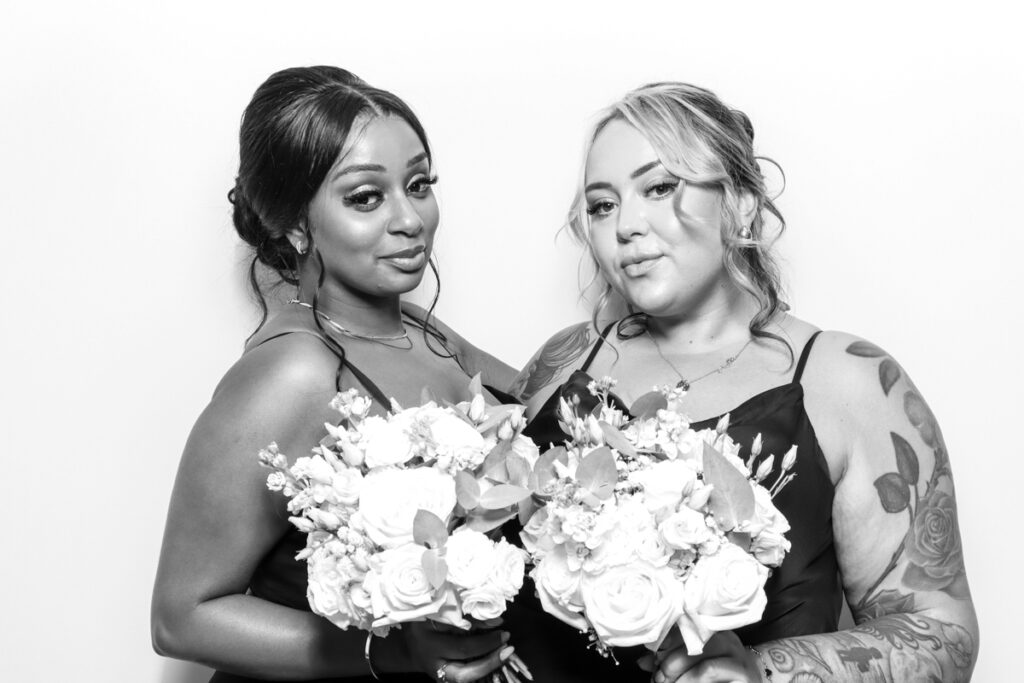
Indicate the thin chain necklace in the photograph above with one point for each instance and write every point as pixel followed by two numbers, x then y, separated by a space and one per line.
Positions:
pixel 355 335
pixel 684 383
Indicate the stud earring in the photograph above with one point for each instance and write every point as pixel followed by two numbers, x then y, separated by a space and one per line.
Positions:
pixel 745 232
pixel 300 247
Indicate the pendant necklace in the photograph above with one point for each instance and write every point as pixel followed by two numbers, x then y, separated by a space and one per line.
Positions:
pixel 382 338
pixel 684 383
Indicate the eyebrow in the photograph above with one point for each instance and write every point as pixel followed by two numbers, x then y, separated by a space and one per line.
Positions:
pixel 634 175
pixel 356 168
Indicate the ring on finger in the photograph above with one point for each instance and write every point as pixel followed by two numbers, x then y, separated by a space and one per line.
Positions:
pixel 441 674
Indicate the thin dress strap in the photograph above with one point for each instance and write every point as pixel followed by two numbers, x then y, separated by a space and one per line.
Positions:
pixel 367 383
pixel 597 347
pixel 803 358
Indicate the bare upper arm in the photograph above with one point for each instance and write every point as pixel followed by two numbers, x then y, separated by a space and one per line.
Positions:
pixel 222 519
pixel 552 364
pixel 895 516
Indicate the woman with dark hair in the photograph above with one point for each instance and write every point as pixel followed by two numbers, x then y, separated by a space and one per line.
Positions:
pixel 673 210
pixel 334 194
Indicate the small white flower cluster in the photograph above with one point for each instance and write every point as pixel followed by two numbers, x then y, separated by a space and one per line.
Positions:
pixel 378 499
pixel 651 509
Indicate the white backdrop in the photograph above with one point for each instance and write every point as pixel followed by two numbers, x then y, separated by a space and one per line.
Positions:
pixel 900 129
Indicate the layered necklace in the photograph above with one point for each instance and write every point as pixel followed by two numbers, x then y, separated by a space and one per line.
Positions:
pixel 379 338
pixel 685 383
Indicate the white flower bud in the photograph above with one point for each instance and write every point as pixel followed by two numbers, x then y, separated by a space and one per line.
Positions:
pixel 352 455
pixel 505 431
pixel 755 448
pixel 596 433
pixel 276 481
pixel 723 424
pixel 699 498
pixel 789 460
pixel 765 468
pixel 565 411
pixel 477 408
pixel 302 524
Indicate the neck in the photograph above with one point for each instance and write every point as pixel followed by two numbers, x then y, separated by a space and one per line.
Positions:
pixel 358 313
pixel 726 322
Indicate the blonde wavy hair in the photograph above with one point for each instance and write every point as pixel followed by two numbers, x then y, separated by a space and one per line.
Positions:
pixel 701 140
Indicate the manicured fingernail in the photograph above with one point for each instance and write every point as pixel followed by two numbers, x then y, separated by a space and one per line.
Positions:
pixel 506 653
pixel 505 637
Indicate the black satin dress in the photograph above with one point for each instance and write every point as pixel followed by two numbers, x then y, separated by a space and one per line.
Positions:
pixel 804 593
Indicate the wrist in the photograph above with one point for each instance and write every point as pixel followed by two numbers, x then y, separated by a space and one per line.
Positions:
pixel 390 654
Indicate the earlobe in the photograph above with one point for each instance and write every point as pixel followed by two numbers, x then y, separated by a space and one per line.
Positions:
pixel 298 238
pixel 748 208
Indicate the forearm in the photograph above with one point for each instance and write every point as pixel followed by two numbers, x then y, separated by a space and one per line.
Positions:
pixel 246 635
pixel 893 648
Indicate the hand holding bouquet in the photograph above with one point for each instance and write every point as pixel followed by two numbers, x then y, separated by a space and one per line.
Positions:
pixel 648 524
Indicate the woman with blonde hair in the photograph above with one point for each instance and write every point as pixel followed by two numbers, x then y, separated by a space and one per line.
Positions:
pixel 674 212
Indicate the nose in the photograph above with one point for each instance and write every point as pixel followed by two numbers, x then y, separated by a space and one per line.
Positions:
pixel 632 221
pixel 406 219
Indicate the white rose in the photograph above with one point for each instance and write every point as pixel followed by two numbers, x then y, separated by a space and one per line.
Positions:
pixel 558 588
pixel 651 548
pixel 634 604
pixel 399 589
pixel 508 570
pixel 685 529
pixel 525 448
pixel 536 535
pixel 770 548
pixel 385 442
pixel 470 557
pixel 724 591
pixel 390 498
pixel 347 483
pixel 314 468
pixel 327 590
pixel 665 484
pixel 454 438
pixel 483 602
pixel 766 515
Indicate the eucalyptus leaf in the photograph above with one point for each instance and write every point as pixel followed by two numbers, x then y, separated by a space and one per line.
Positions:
pixel 467 490
pixel 428 529
pixel 893 492
pixel 527 507
pixel 544 469
pixel 741 539
pixel 648 405
pixel 732 498
pixel 435 568
pixel 518 469
pixel 496 414
pixel 865 350
pixel 485 520
pixel 597 472
pixel 906 459
pixel 494 464
pixel 920 415
pixel 614 438
pixel 888 374
pixel 503 496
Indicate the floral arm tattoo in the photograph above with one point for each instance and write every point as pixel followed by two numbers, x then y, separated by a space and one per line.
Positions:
pixel 562 350
pixel 893 641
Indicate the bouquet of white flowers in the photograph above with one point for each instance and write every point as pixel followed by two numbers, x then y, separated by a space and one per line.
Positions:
pixel 397 507
pixel 647 524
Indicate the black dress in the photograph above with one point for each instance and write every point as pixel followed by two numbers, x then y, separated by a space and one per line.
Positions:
pixel 804 593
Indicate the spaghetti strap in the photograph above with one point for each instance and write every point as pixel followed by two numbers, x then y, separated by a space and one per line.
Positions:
pixel 367 383
pixel 597 347
pixel 803 358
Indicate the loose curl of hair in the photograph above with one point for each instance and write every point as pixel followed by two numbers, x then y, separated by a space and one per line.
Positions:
pixel 701 140
pixel 293 131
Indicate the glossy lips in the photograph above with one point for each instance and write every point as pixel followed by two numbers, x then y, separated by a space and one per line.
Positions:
pixel 409 260
pixel 636 265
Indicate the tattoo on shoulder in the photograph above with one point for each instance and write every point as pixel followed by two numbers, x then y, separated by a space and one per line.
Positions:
pixel 562 350
pixel 931 546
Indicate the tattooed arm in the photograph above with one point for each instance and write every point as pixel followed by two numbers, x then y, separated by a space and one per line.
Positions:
pixel 552 364
pixel 896 533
